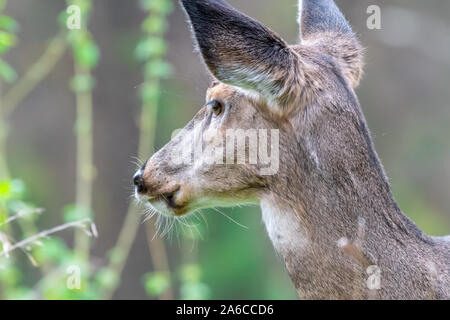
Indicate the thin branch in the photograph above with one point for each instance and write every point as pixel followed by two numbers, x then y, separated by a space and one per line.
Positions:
pixel 4 171
pixel 158 255
pixel 122 248
pixel 128 233
pixel 81 224
pixel 85 166
pixel 35 74
pixel 20 214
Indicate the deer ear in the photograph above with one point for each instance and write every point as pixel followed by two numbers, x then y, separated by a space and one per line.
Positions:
pixel 323 24
pixel 319 17
pixel 239 50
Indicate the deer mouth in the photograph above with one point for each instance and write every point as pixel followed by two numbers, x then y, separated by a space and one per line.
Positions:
pixel 169 201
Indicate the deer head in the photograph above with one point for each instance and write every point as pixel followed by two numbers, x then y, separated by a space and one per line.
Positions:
pixel 263 84
pixel 281 127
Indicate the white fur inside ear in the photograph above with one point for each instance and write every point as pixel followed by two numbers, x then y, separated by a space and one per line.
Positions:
pixel 255 84
pixel 252 79
pixel 255 96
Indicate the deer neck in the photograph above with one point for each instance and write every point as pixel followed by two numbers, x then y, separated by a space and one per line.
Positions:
pixel 330 219
pixel 329 252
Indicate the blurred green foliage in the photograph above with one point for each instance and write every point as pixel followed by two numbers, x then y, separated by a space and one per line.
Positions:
pixel 8 27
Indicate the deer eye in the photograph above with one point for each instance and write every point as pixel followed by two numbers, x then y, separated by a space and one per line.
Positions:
pixel 216 107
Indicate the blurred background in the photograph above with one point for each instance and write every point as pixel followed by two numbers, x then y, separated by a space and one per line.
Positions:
pixel 72 125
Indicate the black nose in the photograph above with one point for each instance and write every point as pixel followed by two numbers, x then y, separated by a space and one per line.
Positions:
pixel 139 182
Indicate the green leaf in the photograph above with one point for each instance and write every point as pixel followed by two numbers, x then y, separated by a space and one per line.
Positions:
pixel 55 289
pixel 10 275
pixel 5 189
pixel 27 211
pixel 190 273
pixel 87 54
pixel 106 278
pixel 150 47
pixel 8 23
pixel 156 283
pixel 145 4
pixel 157 6
pixel 18 187
pixel 149 93
pixel 11 189
pixel 154 25
pixel 51 249
pixel 75 213
pixel 7 40
pixel 82 83
pixel 62 18
pixel 20 293
pixel 195 291
pixel 158 69
pixel 85 9
pixel 7 72
pixel 85 5
pixel 115 255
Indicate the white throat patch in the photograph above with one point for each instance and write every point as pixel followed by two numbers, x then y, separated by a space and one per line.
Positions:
pixel 283 228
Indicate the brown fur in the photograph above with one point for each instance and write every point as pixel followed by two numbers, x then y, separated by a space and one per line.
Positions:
pixel 329 210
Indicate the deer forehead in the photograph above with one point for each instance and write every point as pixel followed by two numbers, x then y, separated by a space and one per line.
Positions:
pixel 220 91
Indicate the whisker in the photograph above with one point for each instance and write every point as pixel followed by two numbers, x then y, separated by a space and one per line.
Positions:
pixel 202 215
pixel 137 162
pixel 158 225
pixel 231 219
pixel 187 225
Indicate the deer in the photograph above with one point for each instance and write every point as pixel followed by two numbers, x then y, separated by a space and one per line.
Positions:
pixel 328 207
